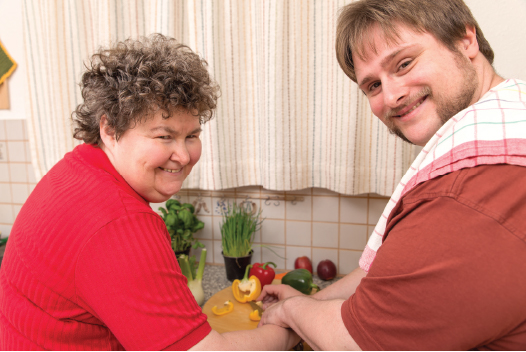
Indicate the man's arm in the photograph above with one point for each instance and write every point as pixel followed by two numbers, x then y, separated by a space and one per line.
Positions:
pixel 268 337
pixel 319 323
pixel 341 289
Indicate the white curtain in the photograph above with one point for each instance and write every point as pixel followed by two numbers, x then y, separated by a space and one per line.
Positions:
pixel 288 117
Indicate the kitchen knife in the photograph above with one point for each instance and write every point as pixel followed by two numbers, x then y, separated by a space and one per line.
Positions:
pixel 256 306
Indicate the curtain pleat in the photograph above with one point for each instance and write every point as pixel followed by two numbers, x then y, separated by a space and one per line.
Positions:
pixel 288 117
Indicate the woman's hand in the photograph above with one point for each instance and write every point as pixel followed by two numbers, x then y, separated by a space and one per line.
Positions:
pixel 272 294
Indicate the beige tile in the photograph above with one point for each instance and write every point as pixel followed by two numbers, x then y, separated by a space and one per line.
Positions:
pixel 353 236
pixel 325 209
pixel 276 255
pixel 353 210
pixel 218 257
pixel 271 210
pixel 376 208
pixel 20 192
pixel 299 211
pixel 14 130
pixel 273 231
pixel 6 214
pixel 31 173
pixel 16 151
pixel 4 172
pixel 5 230
pixel 16 210
pixel 348 261
pixel 299 233
pixel 206 232
pixel 18 172
pixel 3 136
pixel 324 235
pixel 3 152
pixel 5 193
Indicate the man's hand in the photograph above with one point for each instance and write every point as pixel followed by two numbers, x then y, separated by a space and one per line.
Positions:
pixel 272 294
pixel 274 314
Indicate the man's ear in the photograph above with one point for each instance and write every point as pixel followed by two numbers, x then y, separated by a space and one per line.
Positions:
pixel 469 45
pixel 106 132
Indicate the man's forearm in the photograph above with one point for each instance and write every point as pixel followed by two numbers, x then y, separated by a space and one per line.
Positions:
pixel 268 337
pixel 319 323
pixel 343 288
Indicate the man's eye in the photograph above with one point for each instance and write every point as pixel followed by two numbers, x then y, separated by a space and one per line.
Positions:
pixel 374 86
pixel 404 64
pixel 193 136
pixel 164 137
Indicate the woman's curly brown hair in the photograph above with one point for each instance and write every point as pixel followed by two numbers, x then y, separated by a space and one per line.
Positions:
pixel 134 78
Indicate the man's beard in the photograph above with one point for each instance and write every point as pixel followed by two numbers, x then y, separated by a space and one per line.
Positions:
pixel 446 107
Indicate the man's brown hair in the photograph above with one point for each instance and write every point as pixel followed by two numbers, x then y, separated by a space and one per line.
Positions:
pixel 446 20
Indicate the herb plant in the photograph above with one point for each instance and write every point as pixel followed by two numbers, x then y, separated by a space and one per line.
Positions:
pixel 238 229
pixel 181 223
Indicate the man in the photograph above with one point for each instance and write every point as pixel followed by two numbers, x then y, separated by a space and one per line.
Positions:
pixel 444 267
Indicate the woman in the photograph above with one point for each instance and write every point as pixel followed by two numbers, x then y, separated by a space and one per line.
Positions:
pixel 89 264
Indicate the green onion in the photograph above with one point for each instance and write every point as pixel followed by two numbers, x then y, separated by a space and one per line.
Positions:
pixel 238 230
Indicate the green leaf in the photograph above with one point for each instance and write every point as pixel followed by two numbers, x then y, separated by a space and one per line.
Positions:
pixel 188 206
pixel 200 225
pixel 170 220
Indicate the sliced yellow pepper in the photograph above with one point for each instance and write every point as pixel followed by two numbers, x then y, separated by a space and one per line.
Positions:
pixel 227 308
pixel 255 315
pixel 247 289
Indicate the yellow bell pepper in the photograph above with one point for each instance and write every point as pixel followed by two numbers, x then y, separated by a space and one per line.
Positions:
pixel 227 308
pixel 255 315
pixel 247 289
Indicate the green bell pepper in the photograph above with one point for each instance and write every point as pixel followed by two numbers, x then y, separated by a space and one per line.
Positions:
pixel 301 280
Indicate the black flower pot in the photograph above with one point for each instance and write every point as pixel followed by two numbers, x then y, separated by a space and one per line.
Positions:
pixel 236 266
pixel 186 251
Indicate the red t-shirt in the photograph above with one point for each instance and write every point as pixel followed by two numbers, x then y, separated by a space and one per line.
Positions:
pixel 89 266
pixel 450 274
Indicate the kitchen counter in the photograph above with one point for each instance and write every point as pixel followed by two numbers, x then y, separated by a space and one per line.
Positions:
pixel 214 280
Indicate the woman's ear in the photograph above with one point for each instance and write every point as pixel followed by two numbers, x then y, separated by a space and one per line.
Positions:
pixel 469 45
pixel 106 132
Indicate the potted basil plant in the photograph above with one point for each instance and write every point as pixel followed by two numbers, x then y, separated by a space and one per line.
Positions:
pixel 181 223
pixel 238 228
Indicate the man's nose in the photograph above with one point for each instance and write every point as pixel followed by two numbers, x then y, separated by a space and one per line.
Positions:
pixel 394 93
pixel 180 154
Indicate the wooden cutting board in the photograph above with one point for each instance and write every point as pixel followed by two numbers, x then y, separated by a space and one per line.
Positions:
pixel 236 320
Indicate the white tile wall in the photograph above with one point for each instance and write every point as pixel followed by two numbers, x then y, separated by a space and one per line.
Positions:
pixel 325 225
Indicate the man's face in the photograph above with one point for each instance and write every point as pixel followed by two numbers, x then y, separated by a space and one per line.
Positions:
pixel 415 85
pixel 157 155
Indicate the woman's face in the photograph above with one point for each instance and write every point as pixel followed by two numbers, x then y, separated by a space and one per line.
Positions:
pixel 157 155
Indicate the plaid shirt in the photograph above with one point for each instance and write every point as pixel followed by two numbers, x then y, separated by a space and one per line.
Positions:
pixel 491 131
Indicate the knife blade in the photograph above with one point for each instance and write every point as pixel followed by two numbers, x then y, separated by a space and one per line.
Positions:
pixel 256 306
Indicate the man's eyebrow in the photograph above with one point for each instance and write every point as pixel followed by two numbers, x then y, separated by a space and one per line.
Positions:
pixel 385 61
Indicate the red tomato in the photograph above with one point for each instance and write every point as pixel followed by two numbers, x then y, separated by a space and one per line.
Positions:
pixel 303 263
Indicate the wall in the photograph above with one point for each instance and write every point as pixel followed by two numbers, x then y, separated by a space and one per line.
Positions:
pixel 325 225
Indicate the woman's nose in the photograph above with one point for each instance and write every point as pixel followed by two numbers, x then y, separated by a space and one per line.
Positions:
pixel 180 154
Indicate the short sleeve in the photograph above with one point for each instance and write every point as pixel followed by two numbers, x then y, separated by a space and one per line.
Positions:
pixel 128 277
pixel 438 282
